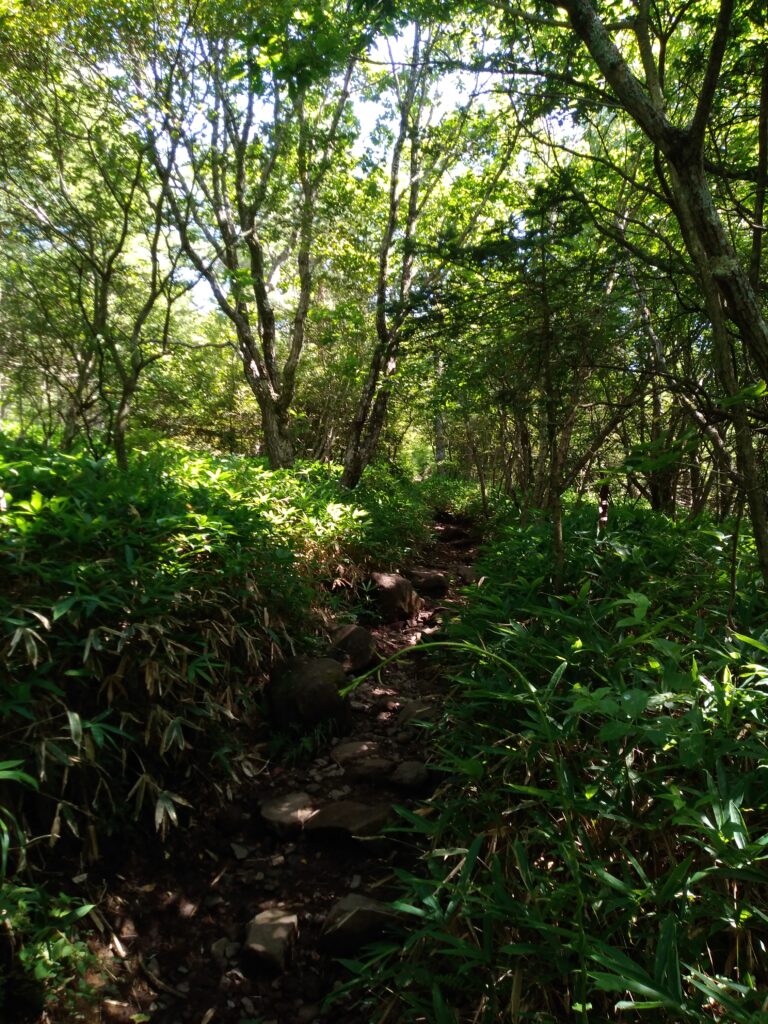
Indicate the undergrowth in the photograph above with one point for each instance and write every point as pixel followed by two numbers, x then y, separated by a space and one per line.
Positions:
pixel 139 614
pixel 598 850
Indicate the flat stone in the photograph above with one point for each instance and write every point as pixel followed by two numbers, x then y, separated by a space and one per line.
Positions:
pixel 416 711
pixel 288 813
pixel 340 793
pixel 410 775
pixel 345 753
pixel 269 937
pixel 219 949
pixel 467 573
pixel 354 921
pixel 303 693
pixel 350 816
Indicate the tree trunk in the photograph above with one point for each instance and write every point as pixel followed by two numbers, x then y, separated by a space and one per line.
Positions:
pixel 120 428
pixel 439 428
pixel 755 263
pixel 372 408
pixel 277 441
pixel 715 256
pixel 361 450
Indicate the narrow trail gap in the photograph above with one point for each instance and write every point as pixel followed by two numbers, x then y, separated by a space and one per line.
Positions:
pixel 174 935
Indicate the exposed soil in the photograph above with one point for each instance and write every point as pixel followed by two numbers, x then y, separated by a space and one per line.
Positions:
pixel 173 916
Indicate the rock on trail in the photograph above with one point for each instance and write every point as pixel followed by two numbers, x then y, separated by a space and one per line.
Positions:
pixel 429 582
pixel 354 647
pixel 304 692
pixel 395 596
pixel 354 921
pixel 269 937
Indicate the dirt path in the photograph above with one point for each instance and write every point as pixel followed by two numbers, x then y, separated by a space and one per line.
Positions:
pixel 174 918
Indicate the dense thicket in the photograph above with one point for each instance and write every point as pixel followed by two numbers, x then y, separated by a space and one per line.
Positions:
pixel 599 842
pixel 263 264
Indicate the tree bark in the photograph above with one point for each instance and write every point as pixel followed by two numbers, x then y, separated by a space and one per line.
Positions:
pixel 755 263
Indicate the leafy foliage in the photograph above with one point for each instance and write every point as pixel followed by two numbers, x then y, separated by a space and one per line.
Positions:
pixel 142 609
pixel 600 843
pixel 140 613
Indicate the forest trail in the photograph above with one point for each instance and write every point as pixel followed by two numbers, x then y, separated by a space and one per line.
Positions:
pixel 177 918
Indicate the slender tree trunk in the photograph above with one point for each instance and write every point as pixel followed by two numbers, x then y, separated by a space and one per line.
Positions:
pixel 371 411
pixel 120 427
pixel 439 428
pixel 758 230
pixel 479 467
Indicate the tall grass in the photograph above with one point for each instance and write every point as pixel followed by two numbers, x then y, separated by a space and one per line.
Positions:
pixel 598 849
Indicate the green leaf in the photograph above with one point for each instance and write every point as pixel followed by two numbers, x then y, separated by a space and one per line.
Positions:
pixel 752 642
pixel 666 968
pixel 10 773
pixel 62 606
pixel 75 728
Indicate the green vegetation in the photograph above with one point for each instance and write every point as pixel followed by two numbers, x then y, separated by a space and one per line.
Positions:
pixel 283 282
pixel 600 839
pixel 143 609
pixel 140 614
